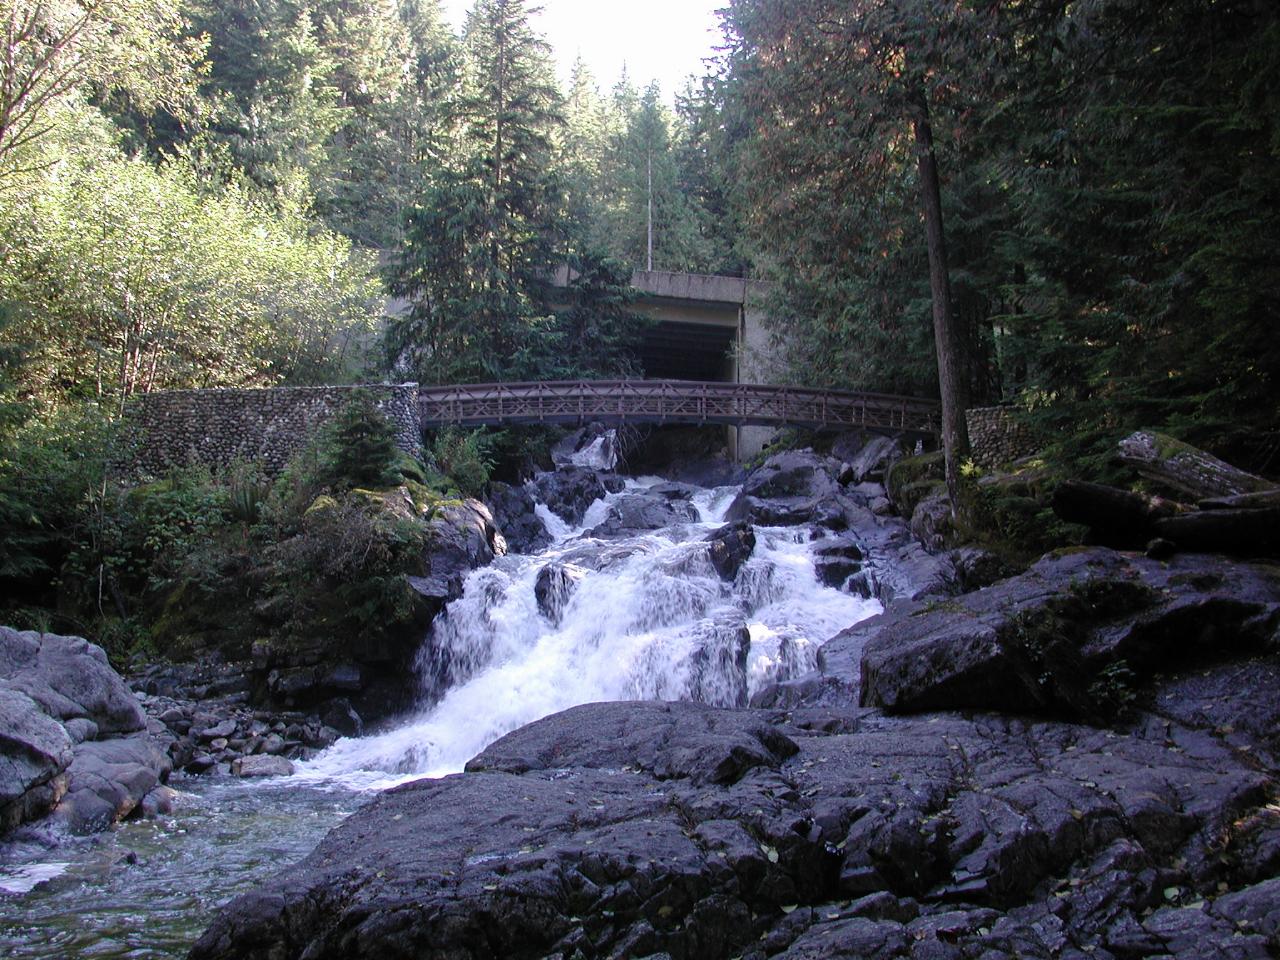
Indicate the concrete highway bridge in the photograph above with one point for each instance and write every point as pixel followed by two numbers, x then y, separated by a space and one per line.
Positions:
pixel 672 401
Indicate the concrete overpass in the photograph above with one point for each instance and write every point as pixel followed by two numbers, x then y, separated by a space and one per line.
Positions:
pixel 708 328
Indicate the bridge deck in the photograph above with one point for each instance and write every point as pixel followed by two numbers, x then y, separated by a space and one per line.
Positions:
pixel 672 401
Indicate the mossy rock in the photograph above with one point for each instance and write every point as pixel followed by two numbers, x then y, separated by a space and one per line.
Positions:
pixel 321 503
pixel 911 479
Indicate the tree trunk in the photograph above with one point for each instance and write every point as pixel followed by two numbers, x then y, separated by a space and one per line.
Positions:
pixel 1184 468
pixel 953 382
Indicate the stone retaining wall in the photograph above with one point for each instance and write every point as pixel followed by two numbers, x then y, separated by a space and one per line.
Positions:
pixel 996 436
pixel 214 427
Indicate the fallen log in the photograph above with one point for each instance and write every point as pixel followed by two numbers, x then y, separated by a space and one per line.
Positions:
pixel 1118 516
pixel 1250 532
pixel 1185 468
pixel 1267 498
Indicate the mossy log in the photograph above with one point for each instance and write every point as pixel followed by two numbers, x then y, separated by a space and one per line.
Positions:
pixel 1182 467
pixel 1120 514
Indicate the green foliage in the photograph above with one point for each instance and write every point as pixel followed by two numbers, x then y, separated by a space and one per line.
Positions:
pixel 464 460
pixel 1109 174
pixel 341 578
pixel 134 278
pixel 359 445
pixel 56 50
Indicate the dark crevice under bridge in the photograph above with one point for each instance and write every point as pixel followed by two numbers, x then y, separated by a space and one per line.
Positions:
pixel 672 401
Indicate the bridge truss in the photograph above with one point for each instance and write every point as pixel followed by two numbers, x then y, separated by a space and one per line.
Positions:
pixel 672 401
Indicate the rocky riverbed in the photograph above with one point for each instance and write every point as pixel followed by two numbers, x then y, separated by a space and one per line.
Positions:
pixel 1079 761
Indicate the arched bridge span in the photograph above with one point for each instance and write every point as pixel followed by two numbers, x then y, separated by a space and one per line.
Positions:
pixel 672 401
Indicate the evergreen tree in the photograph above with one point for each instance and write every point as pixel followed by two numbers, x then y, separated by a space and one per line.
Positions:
pixel 481 246
pixel 360 444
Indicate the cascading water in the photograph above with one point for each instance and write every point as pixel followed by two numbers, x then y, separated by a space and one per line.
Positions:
pixel 639 617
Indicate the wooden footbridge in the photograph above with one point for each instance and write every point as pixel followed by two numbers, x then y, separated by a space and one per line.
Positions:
pixel 672 401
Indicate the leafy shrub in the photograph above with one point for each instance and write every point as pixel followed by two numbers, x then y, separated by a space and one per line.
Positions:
pixel 464 459
pixel 342 575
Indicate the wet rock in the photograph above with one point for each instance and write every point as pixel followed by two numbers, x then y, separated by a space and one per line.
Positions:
pixel 272 744
pixel 513 512
pixel 200 763
pixel 677 829
pixel 261 766
pixel 730 547
pixel 1074 635
pixel 554 587
pixel 158 802
pixel 642 511
pixel 107 780
pixel 568 492
pixel 594 446
pixel 672 490
pixel 340 715
pixel 461 537
pixel 836 559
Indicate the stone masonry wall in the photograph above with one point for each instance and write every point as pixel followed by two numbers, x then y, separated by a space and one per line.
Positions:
pixel 215 427
pixel 996 437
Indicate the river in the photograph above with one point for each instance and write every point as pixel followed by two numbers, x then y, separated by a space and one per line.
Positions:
pixel 639 616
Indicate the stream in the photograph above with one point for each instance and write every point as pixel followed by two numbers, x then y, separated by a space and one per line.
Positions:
pixel 639 616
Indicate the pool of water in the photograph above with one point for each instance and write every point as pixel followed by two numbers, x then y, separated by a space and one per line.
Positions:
pixel 147 889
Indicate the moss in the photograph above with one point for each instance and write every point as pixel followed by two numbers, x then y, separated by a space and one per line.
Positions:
pixel 909 471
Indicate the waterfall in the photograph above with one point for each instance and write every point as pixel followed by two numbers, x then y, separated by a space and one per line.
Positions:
pixel 638 617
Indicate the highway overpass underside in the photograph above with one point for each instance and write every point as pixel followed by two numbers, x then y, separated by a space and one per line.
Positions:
pixel 705 328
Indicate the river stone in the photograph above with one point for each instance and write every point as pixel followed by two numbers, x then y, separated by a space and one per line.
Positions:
pixel 513 512
pixel 220 730
pixel 568 492
pixel 676 829
pixel 261 765
pixel 107 779
pixel 34 752
pixel 789 488
pixel 730 547
pixel 641 511
pixel 1073 635
pixel 69 677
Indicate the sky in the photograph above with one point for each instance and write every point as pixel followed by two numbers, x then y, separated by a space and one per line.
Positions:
pixel 663 40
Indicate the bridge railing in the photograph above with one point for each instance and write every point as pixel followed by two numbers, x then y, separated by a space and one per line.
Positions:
pixel 675 401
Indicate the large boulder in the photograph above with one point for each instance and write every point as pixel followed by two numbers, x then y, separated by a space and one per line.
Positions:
pixel 634 513
pixel 70 678
pixel 568 492
pixel 108 780
pixel 74 739
pixel 1075 635
pixel 513 512
pixel 797 486
pixel 461 537
pixel 628 830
